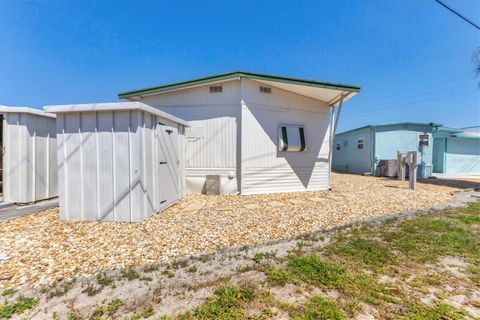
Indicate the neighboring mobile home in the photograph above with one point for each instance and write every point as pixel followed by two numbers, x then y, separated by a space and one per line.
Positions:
pixel 259 133
pixel 360 150
pixel 456 151
pixel 29 162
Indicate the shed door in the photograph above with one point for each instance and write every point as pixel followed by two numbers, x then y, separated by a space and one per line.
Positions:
pixel 168 167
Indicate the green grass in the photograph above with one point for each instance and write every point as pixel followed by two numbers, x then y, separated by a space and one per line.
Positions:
pixel 8 292
pixel 259 256
pixel 107 310
pixel 309 269
pixel 367 252
pixel 439 311
pixel 318 308
pixel 474 273
pixel 129 274
pixel 144 314
pixel 226 304
pixel 16 307
pixel 104 280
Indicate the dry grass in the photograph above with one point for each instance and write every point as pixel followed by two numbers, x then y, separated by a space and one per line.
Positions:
pixel 41 248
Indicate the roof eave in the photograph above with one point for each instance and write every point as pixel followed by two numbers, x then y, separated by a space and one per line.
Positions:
pixel 237 74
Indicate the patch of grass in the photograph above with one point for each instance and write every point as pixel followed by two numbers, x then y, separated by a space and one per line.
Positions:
pixel 177 264
pixel 168 273
pixel 62 290
pixel 259 256
pixel 226 303
pixel 104 280
pixel 107 310
pixel 146 278
pixel 439 311
pixel 129 274
pixel 73 316
pixel 318 308
pixel 426 238
pixel 277 277
pixel 19 306
pixel 369 252
pixel 474 273
pixel 147 313
pixel 151 268
pixel 310 269
pixel 8 292
pixel 192 269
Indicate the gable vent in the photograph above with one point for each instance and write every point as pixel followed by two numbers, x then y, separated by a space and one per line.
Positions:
pixel 265 89
pixel 216 89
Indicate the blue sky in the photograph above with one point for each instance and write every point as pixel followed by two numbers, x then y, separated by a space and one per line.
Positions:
pixel 412 58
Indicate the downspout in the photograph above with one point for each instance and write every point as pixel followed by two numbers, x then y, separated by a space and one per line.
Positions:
pixel 335 114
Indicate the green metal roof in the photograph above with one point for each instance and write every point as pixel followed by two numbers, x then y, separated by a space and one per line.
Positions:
pixel 239 74
pixel 395 123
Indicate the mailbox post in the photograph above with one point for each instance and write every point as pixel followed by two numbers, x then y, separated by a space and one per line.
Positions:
pixel 413 159
pixel 401 160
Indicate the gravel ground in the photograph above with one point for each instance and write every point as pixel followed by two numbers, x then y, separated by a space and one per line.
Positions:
pixel 40 248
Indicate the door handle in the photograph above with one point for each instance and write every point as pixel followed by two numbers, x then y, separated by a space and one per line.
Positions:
pixel 163 162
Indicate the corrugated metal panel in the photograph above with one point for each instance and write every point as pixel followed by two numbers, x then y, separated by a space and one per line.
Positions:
pixel 286 179
pixel 211 142
pixel 265 169
pixel 29 160
pixel 109 165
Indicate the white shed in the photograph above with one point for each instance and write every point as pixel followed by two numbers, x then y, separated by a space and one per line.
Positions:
pixel 29 166
pixel 259 133
pixel 118 161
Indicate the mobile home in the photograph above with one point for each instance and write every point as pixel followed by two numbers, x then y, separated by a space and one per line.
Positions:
pixel 360 150
pixel 258 133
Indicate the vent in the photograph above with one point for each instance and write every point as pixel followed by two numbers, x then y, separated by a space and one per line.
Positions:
pixel 216 89
pixel 265 89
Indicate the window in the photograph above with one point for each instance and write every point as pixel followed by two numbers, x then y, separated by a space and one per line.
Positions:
pixel 291 138
pixel 265 89
pixel 360 143
pixel 345 143
pixel 216 89
pixel 338 146
pixel 423 140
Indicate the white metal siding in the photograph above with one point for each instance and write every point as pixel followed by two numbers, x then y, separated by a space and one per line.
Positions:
pixel 108 162
pixel 264 168
pixel 215 116
pixel 29 160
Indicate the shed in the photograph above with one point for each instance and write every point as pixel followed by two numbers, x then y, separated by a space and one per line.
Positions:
pixel 257 133
pixel 456 151
pixel 29 163
pixel 360 150
pixel 118 161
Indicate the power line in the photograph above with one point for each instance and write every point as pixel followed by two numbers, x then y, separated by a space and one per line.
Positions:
pixel 458 14
pixel 367 111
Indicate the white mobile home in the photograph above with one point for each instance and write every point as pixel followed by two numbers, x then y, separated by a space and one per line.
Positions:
pixel 29 166
pixel 118 161
pixel 259 133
